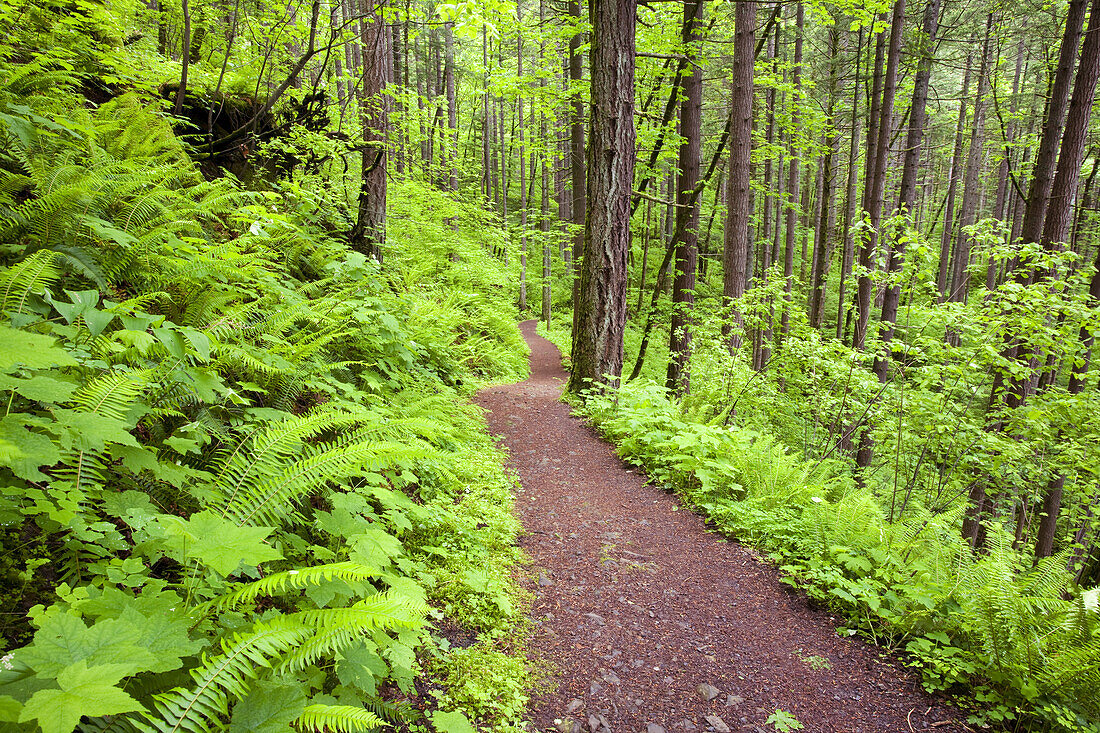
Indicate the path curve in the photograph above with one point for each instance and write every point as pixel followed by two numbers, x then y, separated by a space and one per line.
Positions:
pixel 638 608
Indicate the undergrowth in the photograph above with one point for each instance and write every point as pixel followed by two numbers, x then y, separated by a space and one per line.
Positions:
pixel 240 486
pixel 1020 638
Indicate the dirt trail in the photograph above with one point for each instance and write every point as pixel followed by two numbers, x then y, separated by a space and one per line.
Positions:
pixel 642 615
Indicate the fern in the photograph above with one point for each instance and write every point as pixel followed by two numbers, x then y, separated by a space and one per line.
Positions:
pixel 339 718
pixel 222 677
pixel 279 583
pixel 33 275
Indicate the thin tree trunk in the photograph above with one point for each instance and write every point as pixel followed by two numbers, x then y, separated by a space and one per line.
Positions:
pixel 952 186
pixel 960 260
pixel 907 194
pixel 792 174
pixel 736 248
pixel 678 379
pixel 848 235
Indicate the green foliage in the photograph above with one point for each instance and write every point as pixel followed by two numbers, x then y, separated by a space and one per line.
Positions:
pixel 239 479
pixel 1020 633
pixel 783 721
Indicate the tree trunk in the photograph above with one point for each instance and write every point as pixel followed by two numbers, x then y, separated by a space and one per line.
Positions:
pixel 848 235
pixel 826 219
pixel 452 103
pixel 792 174
pixel 677 378
pixel 876 184
pixel 1059 215
pixel 576 136
pixel 369 233
pixel 952 186
pixel 522 166
pixel 737 244
pixel 960 260
pixel 597 352
pixel 907 195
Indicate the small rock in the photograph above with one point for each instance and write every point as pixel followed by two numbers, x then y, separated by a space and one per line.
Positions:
pixel 717 723
pixel 594 688
pixel 593 723
pixel 611 678
pixel 565 725
pixel 606 727
pixel 732 700
pixel 688 725
pixel 544 580
pixel 574 705
pixel 707 692
pixel 654 728
pixel 597 619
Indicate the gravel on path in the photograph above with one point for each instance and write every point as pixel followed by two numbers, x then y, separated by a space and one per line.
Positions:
pixel 646 622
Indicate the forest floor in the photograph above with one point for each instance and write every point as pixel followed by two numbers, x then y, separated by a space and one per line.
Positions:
pixel 646 623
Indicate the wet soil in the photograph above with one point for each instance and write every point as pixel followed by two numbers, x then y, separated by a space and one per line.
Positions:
pixel 643 618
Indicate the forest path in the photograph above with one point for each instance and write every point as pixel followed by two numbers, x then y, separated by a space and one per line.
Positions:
pixel 641 615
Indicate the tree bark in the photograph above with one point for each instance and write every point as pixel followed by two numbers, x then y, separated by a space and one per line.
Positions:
pixel 960 261
pixel 952 186
pixel 1059 214
pixel 735 251
pixel 827 218
pixel 678 379
pixel 369 233
pixel 792 174
pixel 597 352
pixel 876 184
pixel 907 194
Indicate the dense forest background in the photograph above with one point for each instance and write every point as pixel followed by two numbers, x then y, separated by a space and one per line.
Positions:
pixel 255 255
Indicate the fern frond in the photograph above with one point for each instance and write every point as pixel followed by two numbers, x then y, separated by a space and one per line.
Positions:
pixel 337 718
pixel 34 274
pixel 222 676
pixel 112 394
pixel 267 502
pixel 279 583
pixel 260 457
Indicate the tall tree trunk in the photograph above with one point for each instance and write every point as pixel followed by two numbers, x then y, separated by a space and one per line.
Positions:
pixel 677 379
pixel 576 135
pixel 737 244
pixel 177 109
pixel 452 102
pixel 1042 176
pixel 907 194
pixel 522 166
pixel 876 184
pixel 952 186
pixel 826 211
pixel 597 352
pixel 546 294
pixel 792 173
pixel 848 235
pixel 1059 215
pixel 369 233
pixel 960 260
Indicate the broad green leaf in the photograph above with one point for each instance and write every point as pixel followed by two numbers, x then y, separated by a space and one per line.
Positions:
pixel 269 707
pixel 64 640
pixel 39 388
pixel 84 691
pixel 217 542
pixel 91 432
pixel 34 449
pixel 97 320
pixel 452 722
pixel 375 547
pixel 30 350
